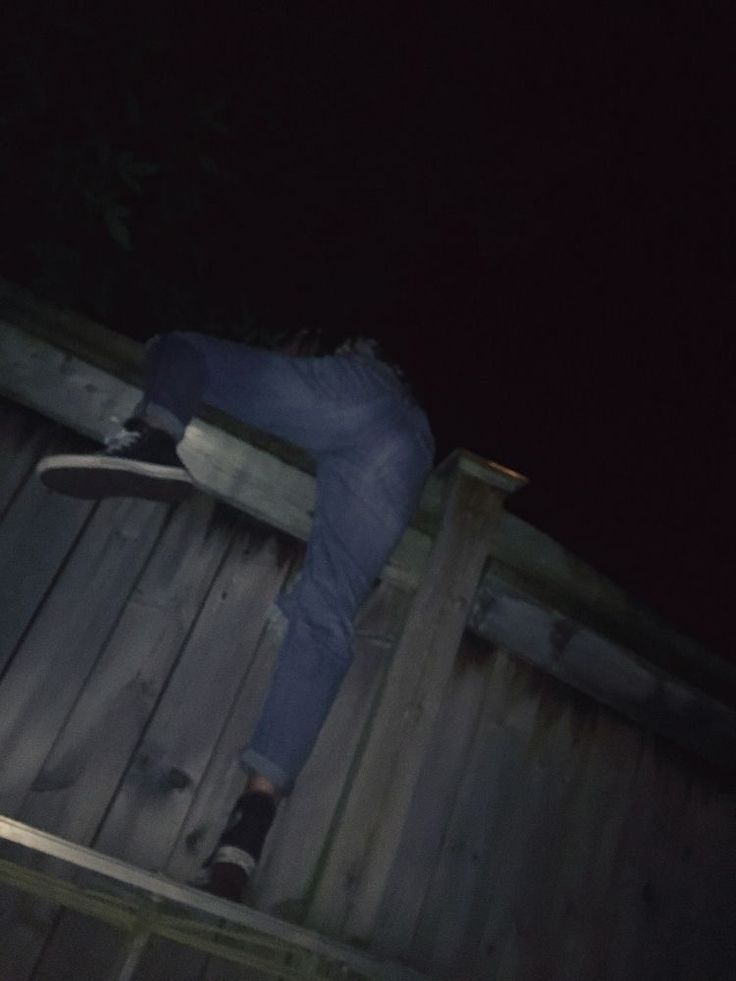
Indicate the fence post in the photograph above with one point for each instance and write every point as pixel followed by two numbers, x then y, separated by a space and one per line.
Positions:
pixel 358 859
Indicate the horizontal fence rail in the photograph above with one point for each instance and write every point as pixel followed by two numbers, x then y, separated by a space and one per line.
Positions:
pixel 576 613
pixel 500 790
pixel 146 904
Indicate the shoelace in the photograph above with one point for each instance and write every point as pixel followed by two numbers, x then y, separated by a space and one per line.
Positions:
pixel 122 439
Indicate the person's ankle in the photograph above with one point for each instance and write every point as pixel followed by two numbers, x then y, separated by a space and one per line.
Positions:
pixel 258 784
pixel 145 423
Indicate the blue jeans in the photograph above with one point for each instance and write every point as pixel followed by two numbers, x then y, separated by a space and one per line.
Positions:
pixel 374 450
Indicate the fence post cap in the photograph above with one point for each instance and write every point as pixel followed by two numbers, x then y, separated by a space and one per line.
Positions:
pixel 494 474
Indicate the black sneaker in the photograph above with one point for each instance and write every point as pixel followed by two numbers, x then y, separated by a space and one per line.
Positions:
pixel 227 871
pixel 138 461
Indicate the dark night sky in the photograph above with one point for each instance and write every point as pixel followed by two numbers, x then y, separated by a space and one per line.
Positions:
pixel 535 210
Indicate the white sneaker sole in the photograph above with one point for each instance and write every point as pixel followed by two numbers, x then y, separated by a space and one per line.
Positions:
pixel 230 855
pixel 92 476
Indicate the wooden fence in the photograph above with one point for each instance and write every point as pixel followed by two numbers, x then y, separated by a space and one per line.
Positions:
pixel 523 775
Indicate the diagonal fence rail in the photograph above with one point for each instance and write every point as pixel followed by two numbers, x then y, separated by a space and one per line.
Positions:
pixel 145 904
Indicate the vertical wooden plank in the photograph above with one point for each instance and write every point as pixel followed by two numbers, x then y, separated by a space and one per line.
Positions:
pixel 221 784
pixel 158 789
pixel 93 748
pixel 23 436
pixel 37 532
pixel 292 855
pixel 659 951
pixel 650 955
pixel 352 884
pixel 680 886
pixel 164 960
pixel 499 795
pixel 449 759
pixel 144 820
pixel 99 962
pixel 530 878
pixel 453 854
pixel 294 844
pixel 542 896
pixel 679 947
pixel 596 806
pixel 712 864
pixel 45 678
pixel 52 665
pixel 126 967
pixel 706 941
pixel 74 789
pixel 538 888
pixel 78 780
pixel 628 893
pixel 223 780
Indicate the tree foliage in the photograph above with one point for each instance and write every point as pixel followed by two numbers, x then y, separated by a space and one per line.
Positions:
pixel 340 163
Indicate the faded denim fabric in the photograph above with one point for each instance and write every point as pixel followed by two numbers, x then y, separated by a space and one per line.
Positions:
pixel 374 450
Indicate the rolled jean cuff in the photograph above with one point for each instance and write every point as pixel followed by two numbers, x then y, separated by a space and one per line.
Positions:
pixel 252 762
pixel 161 418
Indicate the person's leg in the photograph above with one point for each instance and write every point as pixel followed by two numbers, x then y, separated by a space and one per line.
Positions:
pixel 272 391
pixel 140 460
pixel 322 404
pixel 374 451
pixel 365 500
pixel 174 383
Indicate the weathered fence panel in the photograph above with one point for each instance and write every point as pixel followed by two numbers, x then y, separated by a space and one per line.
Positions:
pixel 363 850
pixel 35 539
pixel 502 791
pixel 52 663
pixel 22 441
pixel 165 772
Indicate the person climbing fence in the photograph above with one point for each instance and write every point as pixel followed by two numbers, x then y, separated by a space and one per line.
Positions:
pixel 373 448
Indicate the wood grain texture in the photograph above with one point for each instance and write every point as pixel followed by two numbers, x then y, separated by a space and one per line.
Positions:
pixel 461 723
pixel 528 563
pixel 260 482
pixel 23 438
pixel 491 831
pixel 88 399
pixel 587 837
pixel 294 850
pixel 37 533
pixel 94 745
pixel 143 817
pixel 478 815
pixel 579 657
pixel 58 652
pixel 168 765
pixel 350 889
pixel 532 560
pixel 153 903
pixel 52 665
